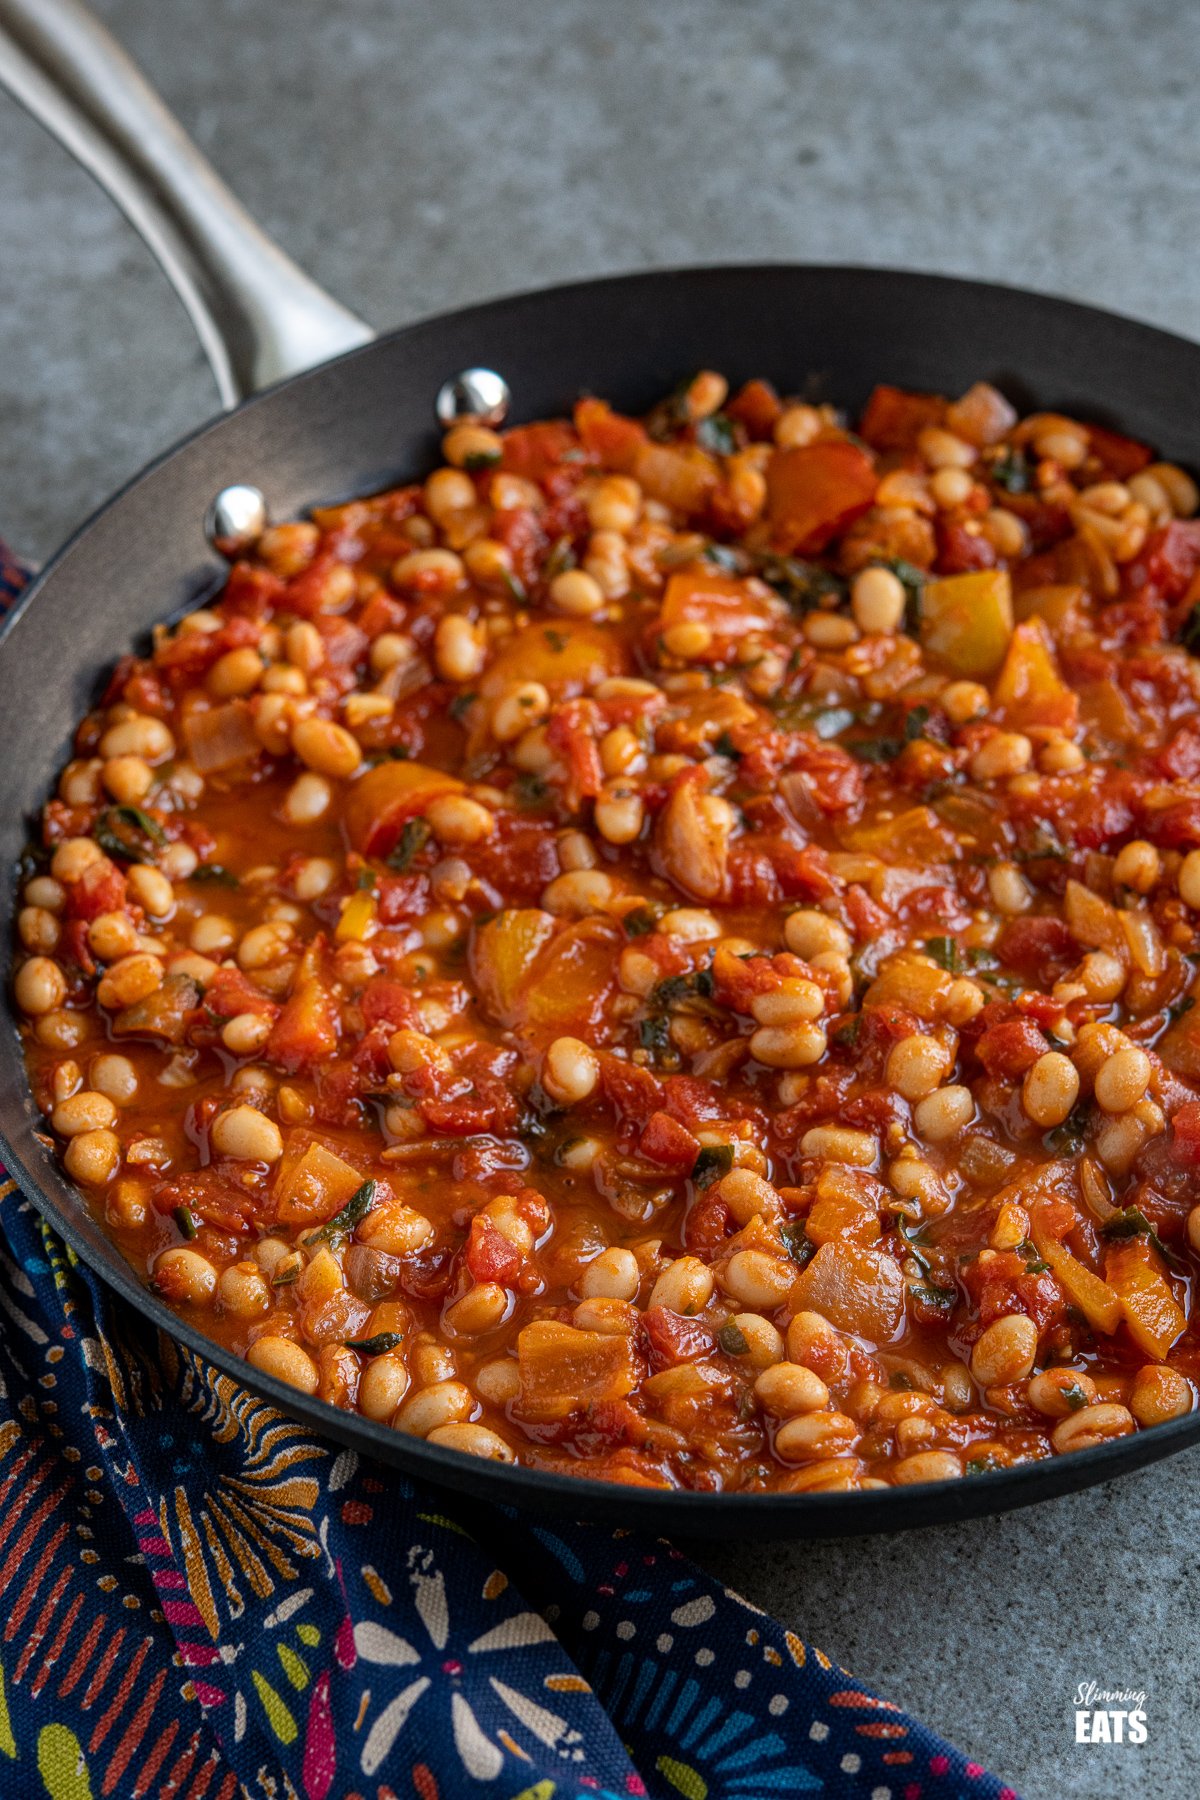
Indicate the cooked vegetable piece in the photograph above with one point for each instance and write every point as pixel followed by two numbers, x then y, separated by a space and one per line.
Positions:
pixel 967 620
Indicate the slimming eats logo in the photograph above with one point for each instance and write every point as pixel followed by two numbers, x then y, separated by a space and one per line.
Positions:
pixel 1109 1715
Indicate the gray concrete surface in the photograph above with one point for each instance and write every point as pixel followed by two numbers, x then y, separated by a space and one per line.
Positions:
pixel 421 156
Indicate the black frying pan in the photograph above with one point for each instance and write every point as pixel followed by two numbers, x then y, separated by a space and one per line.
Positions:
pixel 366 419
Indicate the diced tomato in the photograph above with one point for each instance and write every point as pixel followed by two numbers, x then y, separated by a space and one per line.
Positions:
pixel 388 1002
pixel 1185 1135
pixel 1039 949
pixel 230 993
pixel 100 889
pixel 960 550
pixel 893 418
pixel 1167 561
pixel 521 532
pixel 1121 456
pixel 1179 758
pixel 533 451
pixel 572 732
pixel 707 1224
pixel 251 592
pixel 519 858
pixel 491 1256
pixel 345 643
pixel 815 491
pixel 1008 1050
pixel 306 1031
pixel 185 657
pixel 665 1142
pixel 756 406
pixel 614 439
pixel 633 1091
pixel 672 1339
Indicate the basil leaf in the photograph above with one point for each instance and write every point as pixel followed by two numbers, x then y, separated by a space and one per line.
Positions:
pixel 379 1345
pixel 716 433
pixel 714 1161
pixel 797 1242
pixel 1012 472
pixel 185 1218
pixel 945 953
pixel 353 1213
pixel 412 840
pixel 117 843
pixel 732 1340
pixel 214 874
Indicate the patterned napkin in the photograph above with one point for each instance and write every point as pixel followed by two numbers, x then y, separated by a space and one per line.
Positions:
pixel 200 1598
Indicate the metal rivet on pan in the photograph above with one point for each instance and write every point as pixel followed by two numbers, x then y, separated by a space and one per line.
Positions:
pixel 476 397
pixel 236 520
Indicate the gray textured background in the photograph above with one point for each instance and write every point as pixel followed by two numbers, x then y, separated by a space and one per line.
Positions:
pixel 424 156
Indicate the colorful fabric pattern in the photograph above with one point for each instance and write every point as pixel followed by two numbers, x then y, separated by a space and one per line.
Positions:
pixel 201 1599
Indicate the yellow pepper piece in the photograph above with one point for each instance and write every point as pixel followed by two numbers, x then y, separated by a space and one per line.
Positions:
pixel 967 620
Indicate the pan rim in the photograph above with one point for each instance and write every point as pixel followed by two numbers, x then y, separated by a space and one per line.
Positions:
pixel 830 1514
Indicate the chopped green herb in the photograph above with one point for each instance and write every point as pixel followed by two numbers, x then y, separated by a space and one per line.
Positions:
pixel 118 843
pixel 379 1345
pixel 915 723
pixel 979 1465
pixel 797 1242
pixel 876 750
pixel 286 1272
pixel 915 1243
pixel 514 588
pixel 982 959
pixel 1067 1139
pixel 912 580
pixel 185 1218
pixel 557 640
pixel 640 922
pixel 725 746
pixel 732 1340
pixel 1131 1221
pixel 654 1034
pixel 940 1299
pixel 366 879
pixel 530 790
pixel 1189 635
pixel 802 584
pixel 460 706
pixel 945 953
pixel 846 1034
pixel 1074 1395
pixel 399 753
pixel 353 1213
pixel 215 874
pixel 716 433
pixel 677 989
pixel 482 459
pixel 725 557
pixel 714 1161
pixel 412 840
pixel 1043 847
pixel 559 558
pixel 900 1381
pixel 1012 472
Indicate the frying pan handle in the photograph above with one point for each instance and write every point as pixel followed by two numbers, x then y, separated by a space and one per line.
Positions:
pixel 258 316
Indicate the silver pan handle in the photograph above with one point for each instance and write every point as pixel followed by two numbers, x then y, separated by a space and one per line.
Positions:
pixel 258 316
